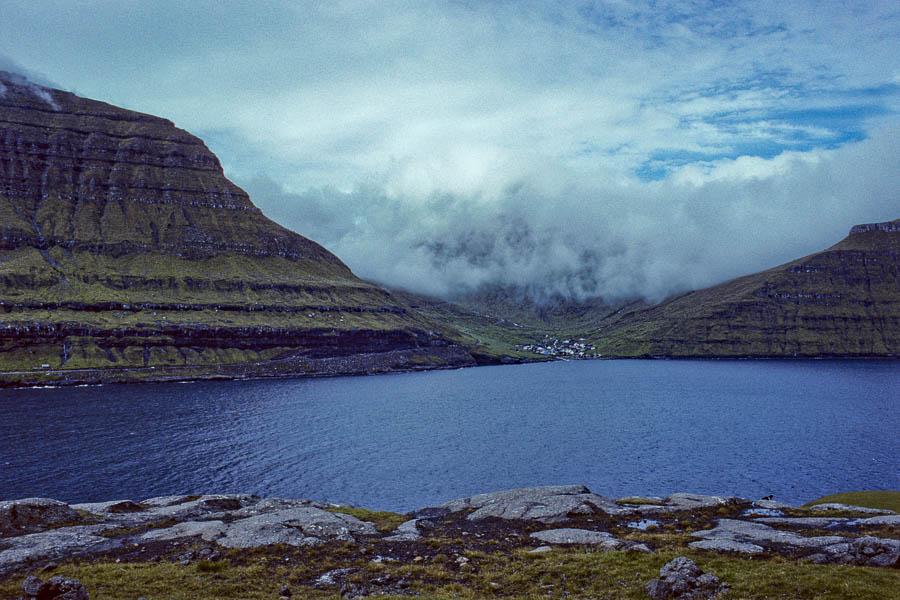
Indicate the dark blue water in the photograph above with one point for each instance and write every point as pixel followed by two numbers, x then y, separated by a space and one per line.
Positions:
pixel 796 429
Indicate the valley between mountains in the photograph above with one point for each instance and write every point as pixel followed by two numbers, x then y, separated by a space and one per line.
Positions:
pixel 127 255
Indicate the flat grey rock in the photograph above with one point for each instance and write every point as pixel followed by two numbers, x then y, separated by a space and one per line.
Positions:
pixel 889 520
pixel 569 535
pixel 29 514
pixel 817 522
pixel 267 505
pixel 406 532
pixel 302 526
pixel 763 535
pixel 46 545
pixel 727 545
pixel 685 501
pixel 851 508
pixel 210 505
pixel 548 504
pixel 207 530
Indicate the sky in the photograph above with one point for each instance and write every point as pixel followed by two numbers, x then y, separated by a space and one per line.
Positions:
pixel 610 148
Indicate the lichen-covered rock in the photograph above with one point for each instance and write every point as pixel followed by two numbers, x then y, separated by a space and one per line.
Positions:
pixel 866 551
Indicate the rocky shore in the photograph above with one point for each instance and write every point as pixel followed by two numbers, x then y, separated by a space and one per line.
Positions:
pixel 355 552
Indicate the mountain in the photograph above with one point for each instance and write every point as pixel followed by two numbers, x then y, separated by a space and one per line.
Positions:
pixel 842 302
pixel 124 248
pixel 125 255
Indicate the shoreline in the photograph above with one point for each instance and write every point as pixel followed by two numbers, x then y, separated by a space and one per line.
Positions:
pixel 382 363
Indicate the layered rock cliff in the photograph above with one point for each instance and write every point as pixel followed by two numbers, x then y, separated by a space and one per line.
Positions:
pixel 122 244
pixel 842 302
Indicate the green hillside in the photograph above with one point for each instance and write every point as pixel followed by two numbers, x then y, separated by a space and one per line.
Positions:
pixel 123 246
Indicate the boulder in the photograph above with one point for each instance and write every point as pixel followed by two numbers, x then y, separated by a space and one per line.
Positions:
pixel 866 551
pixel 32 514
pixel 56 588
pixel 682 579
pixel 547 504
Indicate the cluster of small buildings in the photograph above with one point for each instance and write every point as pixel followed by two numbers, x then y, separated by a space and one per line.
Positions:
pixel 561 348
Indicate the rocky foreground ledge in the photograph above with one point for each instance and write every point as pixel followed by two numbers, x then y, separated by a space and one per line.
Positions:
pixel 39 535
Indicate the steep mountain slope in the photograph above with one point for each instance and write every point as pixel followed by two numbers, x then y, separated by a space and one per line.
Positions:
pixel 842 302
pixel 123 245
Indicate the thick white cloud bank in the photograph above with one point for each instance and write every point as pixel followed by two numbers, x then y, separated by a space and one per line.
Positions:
pixel 607 147
pixel 554 231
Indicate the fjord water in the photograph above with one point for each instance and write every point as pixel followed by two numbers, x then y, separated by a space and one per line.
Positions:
pixel 795 429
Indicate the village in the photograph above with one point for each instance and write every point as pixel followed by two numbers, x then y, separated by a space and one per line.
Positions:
pixel 560 348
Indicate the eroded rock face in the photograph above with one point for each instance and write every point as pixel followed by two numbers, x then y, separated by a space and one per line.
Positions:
pixel 123 246
pixel 82 174
pixel 840 302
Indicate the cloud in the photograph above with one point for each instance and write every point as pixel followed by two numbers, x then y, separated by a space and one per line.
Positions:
pixel 35 83
pixel 544 230
pixel 609 147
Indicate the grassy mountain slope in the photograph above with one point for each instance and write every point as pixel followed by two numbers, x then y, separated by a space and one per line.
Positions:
pixel 844 301
pixel 123 245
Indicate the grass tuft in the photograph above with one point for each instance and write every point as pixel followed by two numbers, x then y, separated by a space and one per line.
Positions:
pixel 886 500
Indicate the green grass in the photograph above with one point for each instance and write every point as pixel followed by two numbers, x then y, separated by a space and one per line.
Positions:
pixel 570 572
pixel 887 500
